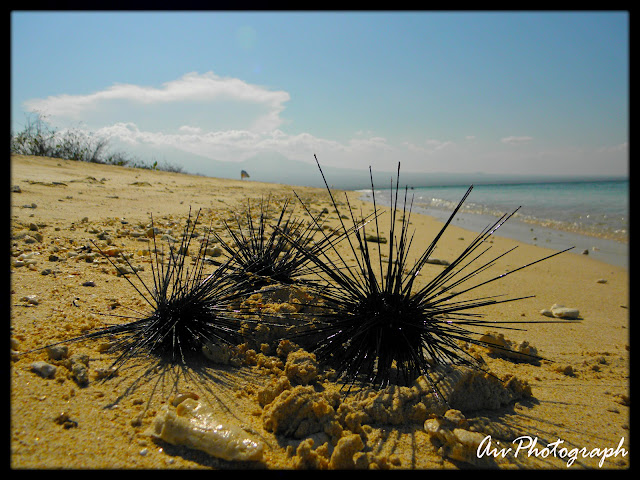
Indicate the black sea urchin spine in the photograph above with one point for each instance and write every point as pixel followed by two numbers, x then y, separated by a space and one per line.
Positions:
pixel 188 308
pixel 376 326
pixel 261 251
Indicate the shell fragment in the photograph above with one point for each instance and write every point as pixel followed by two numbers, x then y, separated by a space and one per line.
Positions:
pixel 194 425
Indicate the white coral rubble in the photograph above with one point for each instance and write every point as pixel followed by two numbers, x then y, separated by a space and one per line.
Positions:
pixel 194 425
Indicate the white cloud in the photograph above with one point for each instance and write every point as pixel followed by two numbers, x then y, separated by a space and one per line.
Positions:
pixel 191 86
pixel 238 145
pixel 516 140
pixel 125 132
pixel 190 95
pixel 189 129
pixel 228 119
pixel 219 118
pixel 378 152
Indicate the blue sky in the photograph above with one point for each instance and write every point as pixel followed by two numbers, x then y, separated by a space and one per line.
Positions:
pixel 497 92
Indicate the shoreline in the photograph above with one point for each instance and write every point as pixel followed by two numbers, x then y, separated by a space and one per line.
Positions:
pixel 605 250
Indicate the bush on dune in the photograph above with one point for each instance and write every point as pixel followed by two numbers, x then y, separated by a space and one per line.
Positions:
pixel 38 138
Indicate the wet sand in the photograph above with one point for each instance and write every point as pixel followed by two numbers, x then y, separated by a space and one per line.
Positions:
pixel 607 250
pixel 579 395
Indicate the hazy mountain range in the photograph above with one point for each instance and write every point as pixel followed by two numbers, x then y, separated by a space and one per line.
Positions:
pixel 276 168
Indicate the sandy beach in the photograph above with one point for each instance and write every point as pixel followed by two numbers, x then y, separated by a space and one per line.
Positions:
pixel 579 398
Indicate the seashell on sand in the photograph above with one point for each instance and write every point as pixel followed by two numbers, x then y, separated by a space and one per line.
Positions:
pixel 560 311
pixel 194 425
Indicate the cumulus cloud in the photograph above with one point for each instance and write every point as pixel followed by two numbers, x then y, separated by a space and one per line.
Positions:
pixel 516 140
pixel 189 129
pixel 212 116
pixel 238 145
pixel 203 96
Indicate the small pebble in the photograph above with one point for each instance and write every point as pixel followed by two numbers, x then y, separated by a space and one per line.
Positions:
pixel 601 280
pixel 89 284
pixel 57 352
pixel 80 368
pixel 112 252
pixel 375 238
pixel 151 231
pixel 44 369
pixel 437 261
pixel 30 299
pixel 565 370
pixel 214 251
pixel 168 238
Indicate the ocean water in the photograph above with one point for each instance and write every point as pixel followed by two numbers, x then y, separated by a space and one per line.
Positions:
pixel 593 214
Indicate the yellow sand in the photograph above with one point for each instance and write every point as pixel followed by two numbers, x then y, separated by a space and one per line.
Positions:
pixel 581 396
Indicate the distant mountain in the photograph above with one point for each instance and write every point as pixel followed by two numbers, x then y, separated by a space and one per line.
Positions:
pixel 267 167
pixel 274 167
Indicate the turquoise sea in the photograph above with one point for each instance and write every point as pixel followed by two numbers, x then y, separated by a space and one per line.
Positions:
pixel 595 210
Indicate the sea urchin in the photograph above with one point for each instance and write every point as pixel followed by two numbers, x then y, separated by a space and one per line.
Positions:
pixel 188 308
pixel 261 251
pixel 375 324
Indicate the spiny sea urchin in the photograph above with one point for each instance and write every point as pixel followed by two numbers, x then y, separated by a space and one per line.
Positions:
pixel 376 325
pixel 260 254
pixel 188 308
